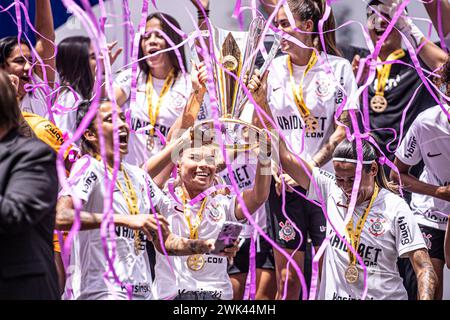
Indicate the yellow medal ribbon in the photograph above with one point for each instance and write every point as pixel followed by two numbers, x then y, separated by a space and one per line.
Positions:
pixel 355 235
pixel 130 199
pixel 193 227
pixel 153 115
pixel 298 94
pixel 383 71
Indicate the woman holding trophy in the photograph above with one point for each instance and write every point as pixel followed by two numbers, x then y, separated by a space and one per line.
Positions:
pixel 305 100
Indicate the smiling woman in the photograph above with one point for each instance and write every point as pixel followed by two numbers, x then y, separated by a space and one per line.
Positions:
pixel 162 88
pixel 201 215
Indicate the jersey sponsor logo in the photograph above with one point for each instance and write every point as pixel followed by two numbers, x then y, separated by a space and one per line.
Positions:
pixel 215 294
pixel 411 147
pixel 326 174
pixel 349 297
pixel 137 288
pixel 376 227
pixel 427 238
pixel 339 95
pixel 430 216
pixel 89 181
pixel 405 233
pixel 287 232
pixel 293 122
pixel 433 155
pixel 241 176
pixel 214 212
pixel 137 124
pixel 202 114
pixel 127 233
pixel 55 133
pixel 214 260
pixel 369 254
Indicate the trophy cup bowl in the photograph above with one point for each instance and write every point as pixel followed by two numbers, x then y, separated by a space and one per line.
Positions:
pixel 236 52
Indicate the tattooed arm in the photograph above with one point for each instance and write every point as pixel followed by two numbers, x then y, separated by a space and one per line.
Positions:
pixel 178 246
pixel 426 277
pixel 325 153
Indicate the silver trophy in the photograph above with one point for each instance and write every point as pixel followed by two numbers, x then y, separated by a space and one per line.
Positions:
pixel 236 52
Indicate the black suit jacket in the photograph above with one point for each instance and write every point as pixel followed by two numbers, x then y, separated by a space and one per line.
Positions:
pixel 28 193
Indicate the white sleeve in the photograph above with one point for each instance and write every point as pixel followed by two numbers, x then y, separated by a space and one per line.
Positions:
pixel 123 81
pixel 348 82
pixel 82 179
pixel 159 200
pixel 228 202
pixel 408 236
pixel 325 182
pixel 409 151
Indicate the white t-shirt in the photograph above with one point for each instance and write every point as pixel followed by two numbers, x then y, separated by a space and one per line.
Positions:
pixel 88 262
pixel 244 173
pixel 213 277
pixel 171 108
pixel 428 139
pixel 322 97
pixel 35 101
pixel 390 232
pixel 67 118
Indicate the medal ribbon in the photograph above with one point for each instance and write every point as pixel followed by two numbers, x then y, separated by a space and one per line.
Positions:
pixel 193 228
pixel 383 71
pixel 151 96
pixel 355 235
pixel 298 94
pixel 130 199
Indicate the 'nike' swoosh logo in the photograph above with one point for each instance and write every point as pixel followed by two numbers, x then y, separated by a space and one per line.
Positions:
pixel 433 155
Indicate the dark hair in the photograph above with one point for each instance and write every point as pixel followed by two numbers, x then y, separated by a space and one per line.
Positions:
pixel 82 110
pixel 173 35
pixel 314 10
pixel 348 150
pixel 10 115
pixel 72 63
pixel 7 45
pixel 444 74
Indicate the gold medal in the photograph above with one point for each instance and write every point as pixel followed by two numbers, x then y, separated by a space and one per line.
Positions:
pixel 195 262
pixel 351 274
pixel 311 124
pixel 378 104
pixel 150 142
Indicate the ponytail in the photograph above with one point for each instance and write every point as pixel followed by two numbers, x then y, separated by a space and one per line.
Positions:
pixel 314 10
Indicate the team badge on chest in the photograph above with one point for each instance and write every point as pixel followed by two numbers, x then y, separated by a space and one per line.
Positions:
pixel 377 226
pixel 287 232
pixel 214 212
pixel 323 87
pixel 178 100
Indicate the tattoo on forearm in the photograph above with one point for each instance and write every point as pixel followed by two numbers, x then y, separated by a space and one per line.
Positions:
pixel 426 277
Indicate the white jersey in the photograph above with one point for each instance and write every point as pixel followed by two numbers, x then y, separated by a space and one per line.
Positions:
pixel 88 262
pixel 390 232
pixel 171 108
pixel 213 277
pixel 35 101
pixel 428 139
pixel 244 172
pixel 66 118
pixel 322 97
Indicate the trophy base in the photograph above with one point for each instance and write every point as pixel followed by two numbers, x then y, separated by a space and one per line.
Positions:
pixel 233 134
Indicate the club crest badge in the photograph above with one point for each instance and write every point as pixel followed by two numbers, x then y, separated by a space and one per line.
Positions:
pixel 377 226
pixel 427 239
pixel 177 100
pixel 323 87
pixel 287 232
pixel 214 211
